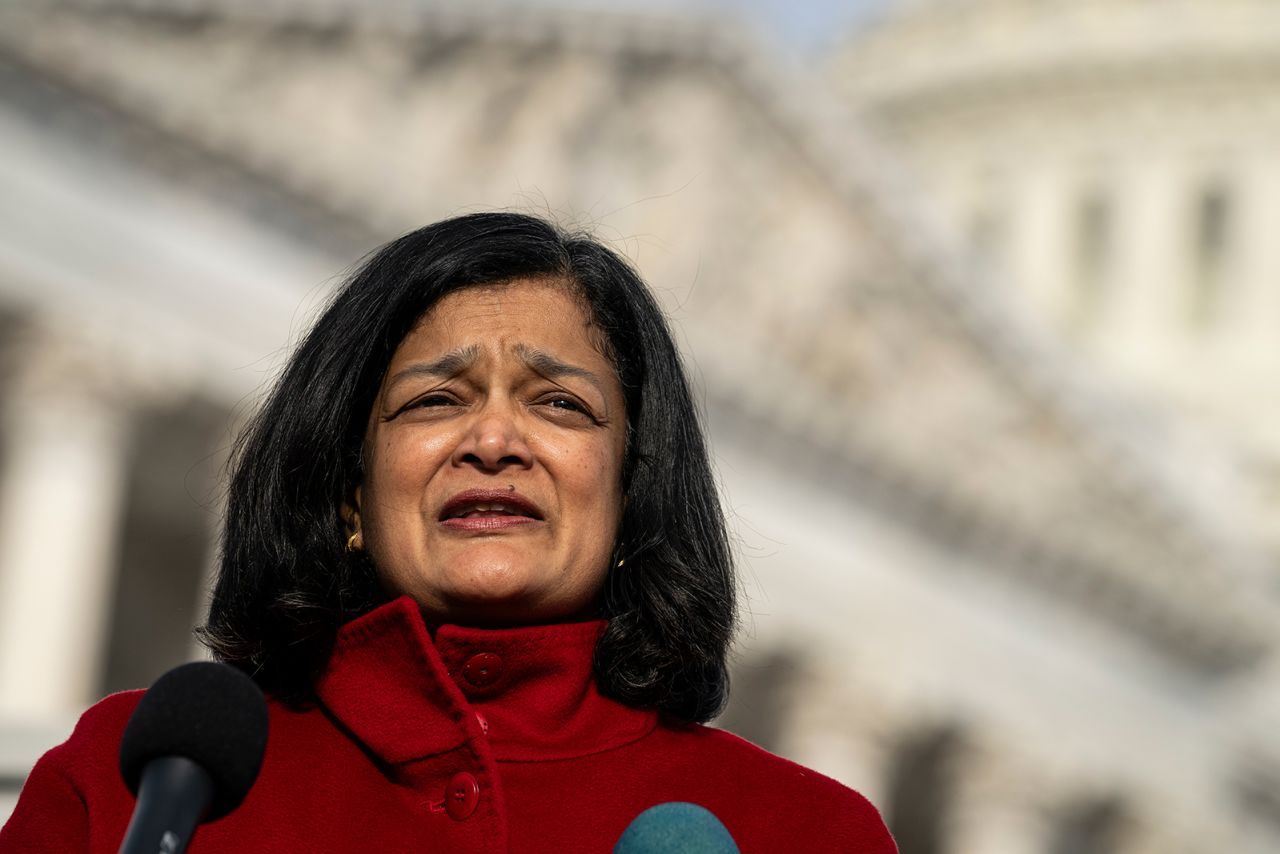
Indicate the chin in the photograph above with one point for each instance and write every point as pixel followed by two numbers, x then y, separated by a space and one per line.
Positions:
pixel 489 592
pixel 495 585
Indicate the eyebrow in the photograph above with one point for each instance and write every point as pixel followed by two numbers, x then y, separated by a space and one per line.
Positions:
pixel 449 365
pixel 551 367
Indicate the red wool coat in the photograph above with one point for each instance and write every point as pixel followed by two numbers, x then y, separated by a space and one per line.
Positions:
pixel 478 741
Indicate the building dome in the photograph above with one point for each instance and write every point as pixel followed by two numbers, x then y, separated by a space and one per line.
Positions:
pixel 1114 163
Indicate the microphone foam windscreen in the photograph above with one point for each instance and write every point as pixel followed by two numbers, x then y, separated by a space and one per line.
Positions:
pixel 209 713
pixel 676 828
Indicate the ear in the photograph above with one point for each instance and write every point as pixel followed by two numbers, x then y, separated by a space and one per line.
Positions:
pixel 350 511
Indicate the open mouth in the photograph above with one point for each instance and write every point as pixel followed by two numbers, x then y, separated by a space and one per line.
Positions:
pixel 485 508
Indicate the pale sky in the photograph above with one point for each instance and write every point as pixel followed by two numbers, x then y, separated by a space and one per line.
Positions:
pixel 798 26
pixel 804 24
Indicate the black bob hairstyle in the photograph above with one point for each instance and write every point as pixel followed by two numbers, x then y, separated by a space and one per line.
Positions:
pixel 285 580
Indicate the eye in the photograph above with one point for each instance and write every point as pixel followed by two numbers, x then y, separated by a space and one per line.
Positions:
pixel 432 400
pixel 568 403
pixel 566 407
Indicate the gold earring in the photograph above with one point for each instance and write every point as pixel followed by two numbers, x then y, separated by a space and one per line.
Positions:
pixel 351 542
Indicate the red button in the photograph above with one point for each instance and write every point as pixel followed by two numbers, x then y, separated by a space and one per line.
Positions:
pixel 484 723
pixel 461 796
pixel 482 670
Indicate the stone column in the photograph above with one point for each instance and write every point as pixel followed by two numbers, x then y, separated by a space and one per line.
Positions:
pixel 1041 259
pixel 1254 301
pixel 1149 323
pixel 841 726
pixel 999 805
pixel 60 508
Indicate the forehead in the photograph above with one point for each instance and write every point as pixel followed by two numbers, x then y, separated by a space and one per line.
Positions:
pixel 546 314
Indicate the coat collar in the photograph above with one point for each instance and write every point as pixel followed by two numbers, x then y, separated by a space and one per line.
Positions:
pixel 529 691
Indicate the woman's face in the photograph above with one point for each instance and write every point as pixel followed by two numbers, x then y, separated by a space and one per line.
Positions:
pixel 493 459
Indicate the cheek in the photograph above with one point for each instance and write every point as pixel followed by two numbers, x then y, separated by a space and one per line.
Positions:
pixel 401 463
pixel 584 468
pixel 586 476
pixel 597 487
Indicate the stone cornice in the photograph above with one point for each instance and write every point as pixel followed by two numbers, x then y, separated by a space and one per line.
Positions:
pixel 954 51
pixel 1113 582
pixel 66 106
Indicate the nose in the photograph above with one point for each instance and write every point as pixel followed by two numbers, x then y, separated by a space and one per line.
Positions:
pixel 493 442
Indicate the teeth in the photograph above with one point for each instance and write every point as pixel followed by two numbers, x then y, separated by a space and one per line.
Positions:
pixel 489 508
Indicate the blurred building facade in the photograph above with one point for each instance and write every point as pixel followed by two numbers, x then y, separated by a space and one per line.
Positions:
pixel 976 595
pixel 1113 162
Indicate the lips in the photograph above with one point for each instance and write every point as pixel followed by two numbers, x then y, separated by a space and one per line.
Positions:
pixel 485 509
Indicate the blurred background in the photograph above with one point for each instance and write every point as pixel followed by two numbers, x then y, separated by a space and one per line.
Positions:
pixel 980 297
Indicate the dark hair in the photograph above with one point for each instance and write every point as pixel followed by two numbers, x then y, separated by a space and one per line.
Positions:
pixel 285 581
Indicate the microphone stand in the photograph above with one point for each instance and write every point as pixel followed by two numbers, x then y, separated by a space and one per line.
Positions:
pixel 172 798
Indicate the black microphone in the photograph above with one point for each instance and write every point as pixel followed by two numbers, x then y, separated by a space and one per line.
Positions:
pixel 190 753
pixel 676 828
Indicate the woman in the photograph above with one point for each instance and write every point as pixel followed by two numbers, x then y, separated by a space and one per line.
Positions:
pixel 475 557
